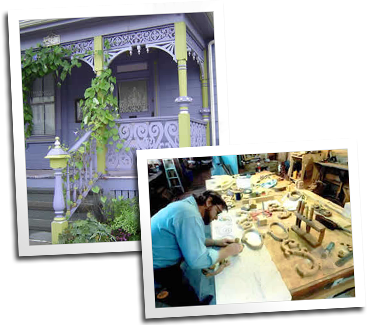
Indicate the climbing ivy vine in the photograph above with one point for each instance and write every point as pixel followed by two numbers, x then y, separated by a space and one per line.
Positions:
pixel 39 62
pixel 99 106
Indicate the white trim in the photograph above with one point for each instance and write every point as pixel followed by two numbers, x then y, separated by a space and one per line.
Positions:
pixel 212 93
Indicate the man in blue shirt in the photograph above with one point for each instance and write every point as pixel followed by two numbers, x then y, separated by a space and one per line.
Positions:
pixel 178 235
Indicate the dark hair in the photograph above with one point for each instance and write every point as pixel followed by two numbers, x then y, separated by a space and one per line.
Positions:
pixel 216 198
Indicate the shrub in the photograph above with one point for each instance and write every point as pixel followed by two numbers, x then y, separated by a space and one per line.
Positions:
pixel 123 217
pixel 86 231
pixel 120 235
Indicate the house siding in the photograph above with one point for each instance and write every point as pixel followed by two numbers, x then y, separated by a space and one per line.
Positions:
pixel 35 153
pixel 73 89
pixel 169 88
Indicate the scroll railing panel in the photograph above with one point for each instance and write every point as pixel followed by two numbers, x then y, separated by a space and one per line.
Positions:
pixel 141 133
pixel 198 133
pixel 81 172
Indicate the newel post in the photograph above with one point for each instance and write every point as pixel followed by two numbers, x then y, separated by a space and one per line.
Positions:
pixel 58 161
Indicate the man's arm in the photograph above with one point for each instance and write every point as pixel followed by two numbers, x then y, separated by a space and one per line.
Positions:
pixel 191 240
pixel 230 250
pixel 218 242
pixel 209 242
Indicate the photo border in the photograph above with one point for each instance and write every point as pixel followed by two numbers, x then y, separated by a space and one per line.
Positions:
pixel 14 16
pixel 144 204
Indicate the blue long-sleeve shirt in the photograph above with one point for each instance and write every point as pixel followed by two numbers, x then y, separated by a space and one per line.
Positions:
pixel 178 233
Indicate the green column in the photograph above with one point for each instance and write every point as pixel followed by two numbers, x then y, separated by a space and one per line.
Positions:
pixel 205 110
pixel 99 66
pixel 183 100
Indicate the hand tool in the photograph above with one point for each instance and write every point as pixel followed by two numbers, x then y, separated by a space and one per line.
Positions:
pixel 330 224
pixel 344 259
pixel 328 250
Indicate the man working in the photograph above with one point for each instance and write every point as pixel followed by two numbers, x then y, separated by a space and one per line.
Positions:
pixel 178 234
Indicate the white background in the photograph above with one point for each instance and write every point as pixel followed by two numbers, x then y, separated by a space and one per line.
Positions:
pixel 301 73
pixel 297 70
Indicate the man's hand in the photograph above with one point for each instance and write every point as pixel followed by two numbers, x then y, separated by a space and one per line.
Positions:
pixel 230 250
pixel 223 242
pixel 234 248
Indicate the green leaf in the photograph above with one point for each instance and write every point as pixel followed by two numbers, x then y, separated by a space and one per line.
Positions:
pixel 63 75
pixel 79 164
pixel 95 189
pixel 89 93
pixel 103 199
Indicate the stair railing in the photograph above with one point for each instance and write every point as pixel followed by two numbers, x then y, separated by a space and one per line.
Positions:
pixel 81 172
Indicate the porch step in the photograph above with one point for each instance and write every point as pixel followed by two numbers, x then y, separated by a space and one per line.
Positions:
pixel 39 237
pixel 41 212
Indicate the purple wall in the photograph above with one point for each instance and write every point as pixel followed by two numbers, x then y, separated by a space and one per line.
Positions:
pixel 169 88
pixel 73 89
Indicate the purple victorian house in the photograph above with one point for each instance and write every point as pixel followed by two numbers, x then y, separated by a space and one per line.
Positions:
pixel 164 70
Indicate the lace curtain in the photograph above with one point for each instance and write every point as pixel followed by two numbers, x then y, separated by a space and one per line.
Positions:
pixel 133 96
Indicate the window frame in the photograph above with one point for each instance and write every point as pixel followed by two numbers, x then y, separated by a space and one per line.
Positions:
pixel 46 137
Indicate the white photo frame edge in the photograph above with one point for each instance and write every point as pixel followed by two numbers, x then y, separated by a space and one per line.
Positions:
pixel 14 16
pixel 249 148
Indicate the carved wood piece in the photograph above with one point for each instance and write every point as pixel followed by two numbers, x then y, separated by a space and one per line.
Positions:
pixel 272 234
pixel 291 247
pixel 245 241
pixel 221 265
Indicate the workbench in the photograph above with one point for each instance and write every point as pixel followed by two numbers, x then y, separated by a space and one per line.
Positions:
pixel 328 281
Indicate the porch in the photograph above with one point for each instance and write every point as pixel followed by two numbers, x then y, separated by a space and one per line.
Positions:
pixel 162 87
pixel 163 81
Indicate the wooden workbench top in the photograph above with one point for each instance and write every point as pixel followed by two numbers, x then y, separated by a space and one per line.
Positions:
pixel 299 286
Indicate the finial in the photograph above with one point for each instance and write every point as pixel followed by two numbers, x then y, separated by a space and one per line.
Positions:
pixel 57 143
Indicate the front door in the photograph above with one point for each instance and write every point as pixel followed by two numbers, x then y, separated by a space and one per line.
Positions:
pixel 135 90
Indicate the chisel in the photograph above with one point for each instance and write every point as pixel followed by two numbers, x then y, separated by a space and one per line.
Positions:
pixel 330 224
pixel 327 250
pixel 344 259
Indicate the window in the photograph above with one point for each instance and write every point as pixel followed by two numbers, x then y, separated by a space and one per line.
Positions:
pixel 133 96
pixel 43 106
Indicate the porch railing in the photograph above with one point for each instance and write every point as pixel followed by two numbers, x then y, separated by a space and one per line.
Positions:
pixel 142 133
pixel 81 172
pixel 198 133
pixel 149 133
